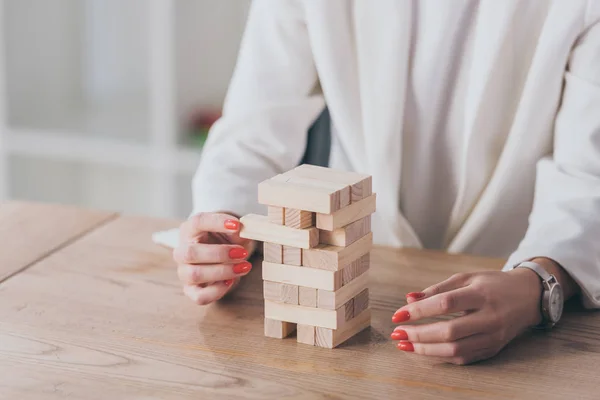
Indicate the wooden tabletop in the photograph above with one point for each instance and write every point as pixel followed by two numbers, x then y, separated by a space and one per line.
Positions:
pixel 90 308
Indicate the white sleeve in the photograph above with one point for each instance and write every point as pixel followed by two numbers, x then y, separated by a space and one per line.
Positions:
pixel 565 222
pixel 268 110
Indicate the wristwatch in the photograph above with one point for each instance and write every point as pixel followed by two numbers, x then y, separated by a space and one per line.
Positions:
pixel 552 295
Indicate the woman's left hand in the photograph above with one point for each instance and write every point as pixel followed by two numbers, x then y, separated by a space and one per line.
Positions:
pixel 494 308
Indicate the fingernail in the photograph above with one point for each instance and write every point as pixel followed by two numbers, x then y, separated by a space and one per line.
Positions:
pixel 238 252
pixel 232 224
pixel 406 346
pixel 401 316
pixel 242 268
pixel 228 282
pixel 399 335
pixel 416 295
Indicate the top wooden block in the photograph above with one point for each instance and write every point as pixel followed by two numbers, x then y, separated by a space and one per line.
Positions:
pixel 315 189
pixel 361 185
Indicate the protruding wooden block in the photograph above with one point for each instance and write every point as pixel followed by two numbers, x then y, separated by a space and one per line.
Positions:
pixel 305 315
pixel 329 338
pixel 305 334
pixel 347 215
pixel 346 235
pixel 302 276
pixel 332 300
pixel 333 258
pixel 278 329
pixel 273 252
pixel 258 227
pixel 361 302
pixel 303 194
pixel 281 292
pixel 292 255
pixel 307 296
pixel 299 218
pixel 276 215
pixel 360 184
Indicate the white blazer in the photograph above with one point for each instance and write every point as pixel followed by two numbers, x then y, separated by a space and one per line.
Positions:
pixel 538 194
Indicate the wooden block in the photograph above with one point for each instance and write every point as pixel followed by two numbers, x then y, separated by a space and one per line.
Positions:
pixel 299 218
pixel 346 235
pixel 302 276
pixel 349 310
pixel 347 215
pixel 332 300
pixel 278 329
pixel 305 334
pixel 361 184
pixel 273 252
pixel 302 194
pixel 361 190
pixel 281 292
pixel 330 338
pixel 356 268
pixel 362 265
pixel 307 296
pixel 361 302
pixel 334 258
pixel 305 315
pixel 292 255
pixel 276 215
pixel 349 272
pixel 258 227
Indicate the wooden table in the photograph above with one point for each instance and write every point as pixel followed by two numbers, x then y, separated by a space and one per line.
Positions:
pixel 90 308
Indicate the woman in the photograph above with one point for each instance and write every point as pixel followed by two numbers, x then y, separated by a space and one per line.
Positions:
pixel 479 121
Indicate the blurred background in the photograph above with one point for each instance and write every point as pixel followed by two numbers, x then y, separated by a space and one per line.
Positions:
pixel 106 103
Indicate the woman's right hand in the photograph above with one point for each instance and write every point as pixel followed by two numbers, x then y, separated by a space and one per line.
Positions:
pixel 211 256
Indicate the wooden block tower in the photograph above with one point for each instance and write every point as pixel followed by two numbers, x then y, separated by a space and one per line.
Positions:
pixel 317 242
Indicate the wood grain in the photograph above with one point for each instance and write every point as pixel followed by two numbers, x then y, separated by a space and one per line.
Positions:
pixel 335 299
pixel 346 235
pixel 276 215
pixel 273 252
pixel 31 231
pixel 105 318
pixel 258 227
pixel 334 258
pixel 299 219
pixel 278 329
pixel 292 255
pixel 307 296
pixel 302 276
pixel 330 338
pixel 281 292
pixel 347 215
pixel 305 334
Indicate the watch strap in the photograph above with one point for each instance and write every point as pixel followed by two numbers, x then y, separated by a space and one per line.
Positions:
pixel 537 268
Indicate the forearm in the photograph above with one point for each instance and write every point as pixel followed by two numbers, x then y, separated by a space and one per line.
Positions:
pixel 569 286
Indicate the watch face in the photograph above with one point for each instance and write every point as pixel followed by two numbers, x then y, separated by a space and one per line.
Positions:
pixel 556 303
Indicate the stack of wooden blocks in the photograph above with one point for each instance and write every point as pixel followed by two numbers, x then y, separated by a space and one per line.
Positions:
pixel 317 242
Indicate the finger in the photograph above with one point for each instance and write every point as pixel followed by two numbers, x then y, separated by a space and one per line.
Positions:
pixel 456 281
pixel 462 299
pixel 207 222
pixel 197 274
pixel 444 331
pixel 208 294
pixel 199 253
pixel 466 347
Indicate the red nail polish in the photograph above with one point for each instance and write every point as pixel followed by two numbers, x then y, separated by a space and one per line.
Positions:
pixel 406 346
pixel 232 224
pixel 416 295
pixel 238 252
pixel 401 316
pixel 399 335
pixel 242 268
pixel 228 282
